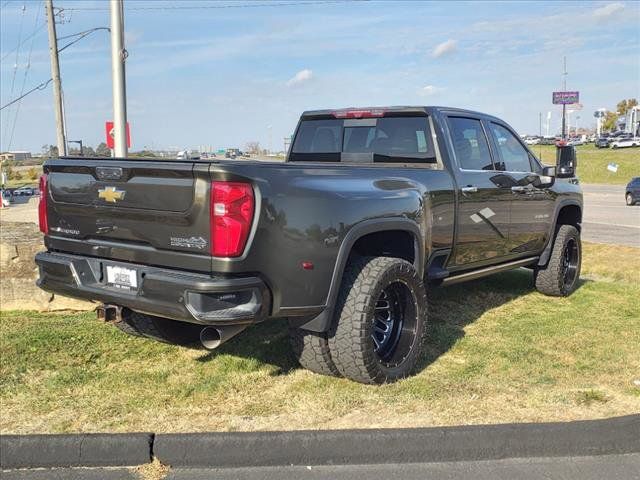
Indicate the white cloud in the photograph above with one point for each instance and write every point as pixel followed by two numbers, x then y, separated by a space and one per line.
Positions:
pixel 608 10
pixel 429 90
pixel 444 48
pixel 301 77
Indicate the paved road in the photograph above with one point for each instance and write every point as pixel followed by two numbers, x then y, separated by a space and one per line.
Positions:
pixel 620 467
pixel 606 219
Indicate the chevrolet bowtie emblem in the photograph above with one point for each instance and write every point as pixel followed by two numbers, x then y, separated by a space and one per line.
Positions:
pixel 111 194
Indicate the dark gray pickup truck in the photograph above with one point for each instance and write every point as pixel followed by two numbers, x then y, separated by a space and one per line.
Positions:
pixel 370 206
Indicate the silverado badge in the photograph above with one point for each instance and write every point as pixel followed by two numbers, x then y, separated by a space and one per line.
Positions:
pixel 111 194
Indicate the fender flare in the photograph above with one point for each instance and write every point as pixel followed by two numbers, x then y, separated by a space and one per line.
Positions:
pixel 322 322
pixel 546 253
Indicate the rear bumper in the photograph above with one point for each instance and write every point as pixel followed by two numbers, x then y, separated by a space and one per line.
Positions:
pixel 184 296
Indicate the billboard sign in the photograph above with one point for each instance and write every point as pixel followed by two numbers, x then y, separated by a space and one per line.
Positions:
pixel 566 98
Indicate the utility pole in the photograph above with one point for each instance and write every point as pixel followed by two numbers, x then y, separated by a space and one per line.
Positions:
pixel 118 57
pixel 564 107
pixel 55 76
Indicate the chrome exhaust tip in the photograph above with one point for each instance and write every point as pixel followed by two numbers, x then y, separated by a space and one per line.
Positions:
pixel 212 337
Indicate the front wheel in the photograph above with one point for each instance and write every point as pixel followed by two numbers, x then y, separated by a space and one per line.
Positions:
pixel 629 199
pixel 560 277
pixel 380 320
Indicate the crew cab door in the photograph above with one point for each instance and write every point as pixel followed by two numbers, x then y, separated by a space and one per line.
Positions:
pixel 483 205
pixel 532 208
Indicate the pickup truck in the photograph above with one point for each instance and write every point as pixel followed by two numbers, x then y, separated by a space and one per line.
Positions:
pixel 370 208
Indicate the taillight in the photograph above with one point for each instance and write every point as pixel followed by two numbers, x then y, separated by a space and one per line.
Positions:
pixel 42 205
pixel 357 113
pixel 232 206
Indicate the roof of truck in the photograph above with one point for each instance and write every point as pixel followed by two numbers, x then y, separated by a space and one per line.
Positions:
pixel 394 109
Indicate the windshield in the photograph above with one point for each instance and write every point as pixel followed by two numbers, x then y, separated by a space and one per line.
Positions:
pixel 388 139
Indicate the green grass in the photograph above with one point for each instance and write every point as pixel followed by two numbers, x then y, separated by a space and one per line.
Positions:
pixel 497 352
pixel 592 162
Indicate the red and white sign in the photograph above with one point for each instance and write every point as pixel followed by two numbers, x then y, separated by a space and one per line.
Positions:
pixel 111 135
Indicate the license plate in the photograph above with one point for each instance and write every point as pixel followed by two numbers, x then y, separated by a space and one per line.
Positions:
pixel 120 277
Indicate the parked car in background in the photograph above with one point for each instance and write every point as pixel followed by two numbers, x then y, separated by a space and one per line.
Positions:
pixel 602 142
pixel 625 142
pixel 23 192
pixel 575 141
pixel 5 198
pixel 548 140
pixel 232 153
pixel 532 140
pixel 632 192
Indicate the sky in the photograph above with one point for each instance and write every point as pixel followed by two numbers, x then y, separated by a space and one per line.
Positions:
pixel 228 72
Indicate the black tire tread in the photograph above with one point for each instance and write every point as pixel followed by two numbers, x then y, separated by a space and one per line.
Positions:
pixel 311 349
pixel 349 341
pixel 547 280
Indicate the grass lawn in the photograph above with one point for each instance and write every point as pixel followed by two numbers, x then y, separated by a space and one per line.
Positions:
pixel 497 352
pixel 592 162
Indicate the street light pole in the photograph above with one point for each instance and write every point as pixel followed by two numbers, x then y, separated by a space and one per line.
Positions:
pixel 55 77
pixel 118 57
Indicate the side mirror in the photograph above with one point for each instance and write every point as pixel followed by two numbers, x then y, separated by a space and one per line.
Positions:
pixel 546 179
pixel 566 161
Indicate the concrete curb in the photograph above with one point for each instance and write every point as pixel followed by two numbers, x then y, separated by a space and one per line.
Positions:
pixel 442 444
pixel 75 450
pixel 618 435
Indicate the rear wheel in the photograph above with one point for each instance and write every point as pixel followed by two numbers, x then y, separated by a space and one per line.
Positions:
pixel 560 277
pixel 380 320
pixel 311 349
pixel 160 329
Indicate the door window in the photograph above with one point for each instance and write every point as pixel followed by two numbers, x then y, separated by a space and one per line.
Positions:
pixel 470 144
pixel 514 157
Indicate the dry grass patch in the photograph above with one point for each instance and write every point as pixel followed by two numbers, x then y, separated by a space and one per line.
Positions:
pixel 497 352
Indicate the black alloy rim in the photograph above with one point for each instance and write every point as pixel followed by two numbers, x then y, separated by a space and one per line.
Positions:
pixel 570 262
pixel 394 324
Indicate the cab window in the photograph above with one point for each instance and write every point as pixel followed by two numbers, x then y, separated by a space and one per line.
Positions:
pixel 470 144
pixel 513 156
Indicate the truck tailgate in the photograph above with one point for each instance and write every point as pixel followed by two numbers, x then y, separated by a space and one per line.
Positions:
pixel 145 211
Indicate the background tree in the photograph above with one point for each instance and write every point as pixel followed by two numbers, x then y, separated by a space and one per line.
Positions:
pixel 33 173
pixel 625 105
pixel 50 151
pixel 609 122
pixel 102 150
pixel 253 147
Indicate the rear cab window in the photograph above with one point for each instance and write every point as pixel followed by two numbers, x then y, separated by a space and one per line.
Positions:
pixel 388 139
pixel 470 144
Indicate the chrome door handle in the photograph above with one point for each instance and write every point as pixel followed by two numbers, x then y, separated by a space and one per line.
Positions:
pixel 469 189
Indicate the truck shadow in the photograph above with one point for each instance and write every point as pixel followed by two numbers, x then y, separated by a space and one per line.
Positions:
pixel 451 309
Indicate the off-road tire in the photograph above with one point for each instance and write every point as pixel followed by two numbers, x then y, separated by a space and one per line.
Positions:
pixel 160 329
pixel 551 279
pixel 350 338
pixel 311 349
pixel 629 199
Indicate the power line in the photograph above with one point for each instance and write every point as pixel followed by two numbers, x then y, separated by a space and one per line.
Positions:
pixel 15 64
pixel 24 79
pixel 80 36
pixel 42 85
pixel 216 7
pixel 91 30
